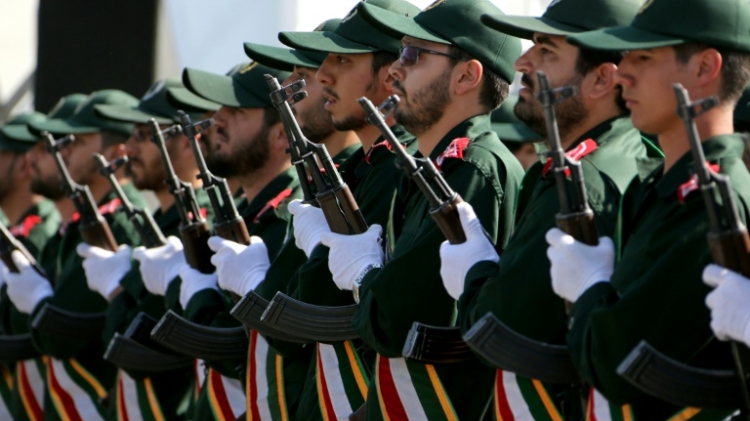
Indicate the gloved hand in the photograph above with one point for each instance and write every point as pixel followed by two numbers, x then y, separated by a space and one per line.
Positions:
pixel 193 282
pixel 457 259
pixel 3 269
pixel 577 266
pixel 309 224
pixel 353 255
pixel 104 269
pixel 160 265
pixel 239 268
pixel 730 314
pixel 26 288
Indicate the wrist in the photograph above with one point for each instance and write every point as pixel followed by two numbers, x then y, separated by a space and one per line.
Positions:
pixel 357 282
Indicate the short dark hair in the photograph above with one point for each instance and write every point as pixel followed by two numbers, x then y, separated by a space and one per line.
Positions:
pixel 494 89
pixel 382 58
pixel 110 138
pixel 735 68
pixel 589 59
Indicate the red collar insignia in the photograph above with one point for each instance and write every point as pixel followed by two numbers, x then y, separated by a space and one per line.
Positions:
pixel 692 184
pixel 105 209
pixel 576 154
pixel 272 204
pixel 23 229
pixel 376 146
pixel 454 151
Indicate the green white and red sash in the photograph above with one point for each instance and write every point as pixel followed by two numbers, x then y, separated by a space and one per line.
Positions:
pixel 522 399
pixel 225 396
pixel 412 391
pixel 136 399
pixel 265 399
pixel 29 385
pixel 6 391
pixel 200 377
pixel 341 380
pixel 74 391
pixel 599 409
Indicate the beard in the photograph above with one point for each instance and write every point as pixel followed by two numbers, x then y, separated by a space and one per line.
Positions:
pixel 49 187
pixel 425 106
pixel 251 157
pixel 316 123
pixel 148 180
pixel 569 113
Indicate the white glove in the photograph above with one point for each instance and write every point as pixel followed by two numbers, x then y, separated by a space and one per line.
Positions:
pixel 730 314
pixel 104 269
pixel 26 288
pixel 457 259
pixel 353 255
pixel 3 270
pixel 193 282
pixel 577 266
pixel 309 224
pixel 160 265
pixel 239 268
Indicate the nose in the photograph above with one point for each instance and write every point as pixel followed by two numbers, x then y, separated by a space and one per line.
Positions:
pixel 220 117
pixel 396 71
pixel 323 75
pixel 131 147
pixel 524 64
pixel 623 74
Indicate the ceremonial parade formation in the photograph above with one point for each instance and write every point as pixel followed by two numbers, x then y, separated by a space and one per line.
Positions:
pixel 367 225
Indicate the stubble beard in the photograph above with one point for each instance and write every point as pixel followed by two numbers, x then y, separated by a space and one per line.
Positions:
pixel 251 157
pixel 424 107
pixel 568 113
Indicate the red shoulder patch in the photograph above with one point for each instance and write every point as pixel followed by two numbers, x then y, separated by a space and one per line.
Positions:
pixel 379 145
pixel 454 151
pixel 23 229
pixel 105 209
pixel 576 154
pixel 692 184
pixel 272 204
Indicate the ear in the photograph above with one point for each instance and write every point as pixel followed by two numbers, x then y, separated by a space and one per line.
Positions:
pixel 23 166
pixel 707 66
pixel 385 79
pixel 277 139
pixel 599 82
pixel 467 76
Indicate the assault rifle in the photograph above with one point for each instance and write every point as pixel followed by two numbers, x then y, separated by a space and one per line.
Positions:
pixel 492 339
pixel 429 344
pixel 285 316
pixel 173 331
pixel 95 231
pixel 151 235
pixel 729 243
pixel 16 347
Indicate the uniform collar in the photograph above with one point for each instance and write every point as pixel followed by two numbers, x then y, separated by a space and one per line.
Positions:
pixel 716 149
pixel 287 179
pixel 473 128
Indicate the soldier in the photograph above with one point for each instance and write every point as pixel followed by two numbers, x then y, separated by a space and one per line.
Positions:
pixel 515 135
pixel 654 292
pixel 356 60
pixel 449 83
pixel 34 221
pixel 112 275
pixel 77 377
pixel 594 129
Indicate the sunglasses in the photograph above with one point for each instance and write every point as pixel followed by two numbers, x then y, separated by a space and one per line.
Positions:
pixel 408 55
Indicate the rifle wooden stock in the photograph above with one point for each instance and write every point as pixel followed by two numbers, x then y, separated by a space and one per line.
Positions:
pixel 731 249
pixel 98 233
pixel 446 218
pixel 350 208
pixel 195 242
pixel 330 207
pixel 579 225
pixel 8 243
pixel 234 231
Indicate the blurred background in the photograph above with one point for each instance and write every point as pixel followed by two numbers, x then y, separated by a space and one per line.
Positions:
pixel 50 48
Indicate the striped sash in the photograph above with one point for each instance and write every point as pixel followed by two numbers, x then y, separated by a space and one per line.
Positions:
pixel 6 392
pixel 30 384
pixel 341 380
pixel 74 391
pixel 412 391
pixel 225 396
pixel 521 399
pixel 136 400
pixel 599 409
pixel 265 382
pixel 200 377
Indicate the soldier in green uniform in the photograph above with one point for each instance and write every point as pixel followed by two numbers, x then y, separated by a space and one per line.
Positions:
pixel 113 276
pixel 515 134
pixel 368 172
pixel 449 83
pixel 595 130
pixel 645 284
pixel 77 377
pixel 34 221
pixel 249 144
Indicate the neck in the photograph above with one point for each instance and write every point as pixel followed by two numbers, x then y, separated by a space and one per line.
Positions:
pixel 338 141
pixel 453 115
pixel 100 187
pixel 595 115
pixel 65 208
pixel 674 140
pixel 369 133
pixel 165 199
pixel 17 202
pixel 253 183
pixel 234 184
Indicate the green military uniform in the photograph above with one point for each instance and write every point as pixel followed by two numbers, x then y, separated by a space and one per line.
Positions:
pixel 517 288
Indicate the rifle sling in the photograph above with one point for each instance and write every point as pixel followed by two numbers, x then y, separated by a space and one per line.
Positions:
pixel 509 350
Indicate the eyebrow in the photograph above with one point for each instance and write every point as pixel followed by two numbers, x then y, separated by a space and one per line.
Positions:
pixel 544 39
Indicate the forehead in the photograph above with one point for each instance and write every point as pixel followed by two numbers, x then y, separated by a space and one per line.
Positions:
pixel 548 39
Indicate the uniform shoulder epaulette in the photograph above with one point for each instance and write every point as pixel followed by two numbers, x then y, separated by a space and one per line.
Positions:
pixel 272 204
pixel 105 209
pixel 454 151
pixel 576 154
pixel 692 184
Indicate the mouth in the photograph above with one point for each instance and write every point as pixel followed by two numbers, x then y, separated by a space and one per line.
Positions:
pixel 329 98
